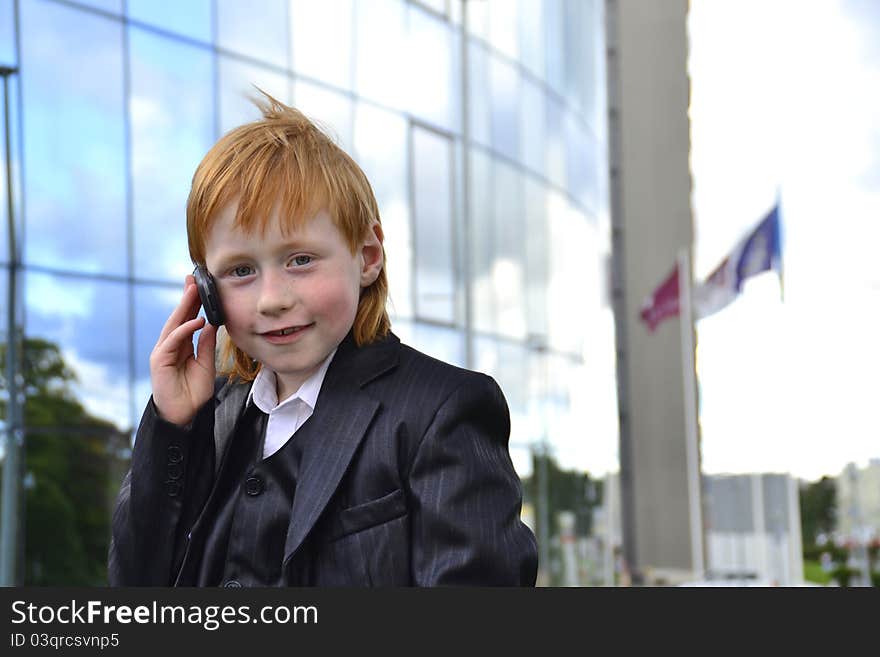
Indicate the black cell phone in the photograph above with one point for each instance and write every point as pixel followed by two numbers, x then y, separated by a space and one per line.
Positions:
pixel 209 295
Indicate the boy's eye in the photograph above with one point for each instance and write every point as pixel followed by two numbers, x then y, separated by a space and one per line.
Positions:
pixel 242 270
pixel 301 260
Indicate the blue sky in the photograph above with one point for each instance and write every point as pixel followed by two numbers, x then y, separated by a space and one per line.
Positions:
pixel 785 96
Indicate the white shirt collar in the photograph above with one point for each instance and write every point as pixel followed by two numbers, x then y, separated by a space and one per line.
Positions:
pixel 263 392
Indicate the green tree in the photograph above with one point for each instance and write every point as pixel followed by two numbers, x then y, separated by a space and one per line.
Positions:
pixel 818 502
pixel 567 490
pixel 74 463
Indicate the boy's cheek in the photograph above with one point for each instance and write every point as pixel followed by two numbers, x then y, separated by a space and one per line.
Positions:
pixel 237 324
pixel 343 306
pixel 333 296
pixel 234 303
pixel 244 342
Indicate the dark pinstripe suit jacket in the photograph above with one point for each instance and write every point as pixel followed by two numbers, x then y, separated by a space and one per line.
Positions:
pixel 412 483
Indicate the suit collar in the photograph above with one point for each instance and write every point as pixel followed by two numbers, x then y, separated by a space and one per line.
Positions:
pixel 364 364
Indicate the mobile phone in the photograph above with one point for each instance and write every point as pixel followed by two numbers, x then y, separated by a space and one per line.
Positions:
pixel 209 295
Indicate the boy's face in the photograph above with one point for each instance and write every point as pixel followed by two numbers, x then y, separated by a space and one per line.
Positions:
pixel 289 299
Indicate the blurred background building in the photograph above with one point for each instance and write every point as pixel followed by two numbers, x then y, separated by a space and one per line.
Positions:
pixel 482 127
pixel 753 529
pixel 857 527
pixel 649 93
pixel 858 500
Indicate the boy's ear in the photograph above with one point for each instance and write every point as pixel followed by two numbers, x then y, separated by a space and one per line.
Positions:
pixel 372 257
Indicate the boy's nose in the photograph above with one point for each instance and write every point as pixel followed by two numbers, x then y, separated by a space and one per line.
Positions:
pixel 276 294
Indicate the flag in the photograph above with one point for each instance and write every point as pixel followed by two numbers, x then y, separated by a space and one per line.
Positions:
pixel 662 303
pixel 759 251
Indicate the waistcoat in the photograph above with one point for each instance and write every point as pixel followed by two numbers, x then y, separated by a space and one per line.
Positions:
pixel 250 508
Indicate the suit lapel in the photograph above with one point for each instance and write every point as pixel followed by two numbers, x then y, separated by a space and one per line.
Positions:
pixel 230 405
pixel 342 415
pixel 336 436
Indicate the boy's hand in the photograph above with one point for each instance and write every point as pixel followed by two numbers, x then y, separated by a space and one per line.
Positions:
pixel 183 381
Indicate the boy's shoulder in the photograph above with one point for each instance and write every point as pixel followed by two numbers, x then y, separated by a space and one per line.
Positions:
pixel 422 371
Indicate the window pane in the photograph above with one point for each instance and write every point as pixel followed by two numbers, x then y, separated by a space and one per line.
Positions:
pixel 486 356
pixel 558 403
pixel 555 149
pixel 532 126
pixel 458 230
pixel 505 99
pixel 508 265
pixel 482 241
pixel 75 136
pixel 77 425
pixel 172 126
pixel 257 29
pixel 574 274
pixel 554 26
pixel 478 19
pixel 88 321
pixel 479 108
pixel 321 34
pixel 580 29
pixel 531 36
pixel 455 11
pixel 434 238
pixel 537 373
pixel 332 111
pixel 7 33
pixel 581 163
pixel 73 472
pixel 237 80
pixel 537 256
pixel 191 18
pixel 506 363
pixel 152 306
pixel 514 382
pixel 577 439
pixel 503 27
pixel 446 344
pixel 381 37
pixel 594 404
pixel 380 150
pixel 432 78
pixel 597 86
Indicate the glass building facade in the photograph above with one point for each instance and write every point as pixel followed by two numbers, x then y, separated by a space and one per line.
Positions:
pixel 481 126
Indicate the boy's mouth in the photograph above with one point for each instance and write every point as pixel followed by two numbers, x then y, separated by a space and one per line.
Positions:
pixel 289 330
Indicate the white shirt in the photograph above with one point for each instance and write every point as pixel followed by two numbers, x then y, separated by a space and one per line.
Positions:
pixel 288 416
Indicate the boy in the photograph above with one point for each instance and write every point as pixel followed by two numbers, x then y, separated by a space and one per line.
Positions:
pixel 328 453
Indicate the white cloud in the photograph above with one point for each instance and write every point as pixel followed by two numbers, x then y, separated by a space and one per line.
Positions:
pixel 103 395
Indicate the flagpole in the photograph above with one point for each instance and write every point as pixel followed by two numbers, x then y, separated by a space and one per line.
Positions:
pixel 689 381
